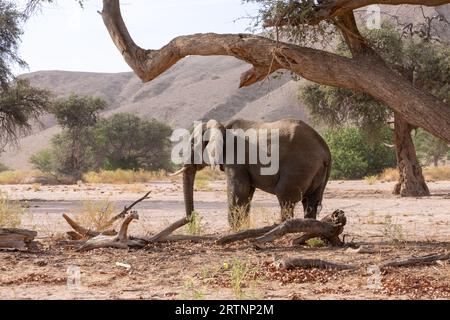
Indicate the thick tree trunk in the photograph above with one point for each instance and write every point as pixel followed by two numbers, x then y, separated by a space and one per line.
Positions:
pixel 411 182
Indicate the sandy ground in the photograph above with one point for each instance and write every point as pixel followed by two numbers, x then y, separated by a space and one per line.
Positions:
pixel 394 227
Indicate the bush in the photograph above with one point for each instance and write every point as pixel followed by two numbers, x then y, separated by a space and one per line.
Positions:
pixel 15 177
pixel 43 161
pixel 355 155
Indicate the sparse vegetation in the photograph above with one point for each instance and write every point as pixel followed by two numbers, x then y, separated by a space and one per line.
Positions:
pixel 10 212
pixel 120 176
pixel 15 177
pixel 191 291
pixel 242 275
pixel 430 174
pixel 392 231
pixel 96 214
pixel 240 219
pixel 315 243
pixel 371 180
pixel 194 226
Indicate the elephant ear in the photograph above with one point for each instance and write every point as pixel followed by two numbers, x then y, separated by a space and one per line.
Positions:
pixel 215 133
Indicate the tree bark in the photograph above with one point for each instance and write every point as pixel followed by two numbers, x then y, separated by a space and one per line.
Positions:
pixel 411 182
pixel 364 72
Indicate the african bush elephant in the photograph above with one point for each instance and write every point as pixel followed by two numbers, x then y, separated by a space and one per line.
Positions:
pixel 304 166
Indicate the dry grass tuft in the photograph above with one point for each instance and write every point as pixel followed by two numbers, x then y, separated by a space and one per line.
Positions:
pixel 95 215
pixel 124 176
pixel 437 173
pixel 430 174
pixel 240 219
pixel 10 212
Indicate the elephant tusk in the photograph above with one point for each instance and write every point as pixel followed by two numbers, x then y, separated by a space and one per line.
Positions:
pixel 182 170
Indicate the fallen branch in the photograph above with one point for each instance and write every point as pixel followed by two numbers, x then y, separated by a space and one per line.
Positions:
pixel 328 229
pixel 292 263
pixel 336 219
pixel 425 260
pixel 17 239
pixel 243 235
pixel 126 210
pixel 82 231
pixel 120 241
pixel 168 231
pixel 187 238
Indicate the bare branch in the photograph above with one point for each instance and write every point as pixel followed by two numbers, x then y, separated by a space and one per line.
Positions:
pixel 126 210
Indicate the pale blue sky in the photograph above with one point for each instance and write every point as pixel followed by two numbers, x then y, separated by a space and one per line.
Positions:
pixel 66 37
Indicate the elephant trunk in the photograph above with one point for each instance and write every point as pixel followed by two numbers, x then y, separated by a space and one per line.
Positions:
pixel 188 189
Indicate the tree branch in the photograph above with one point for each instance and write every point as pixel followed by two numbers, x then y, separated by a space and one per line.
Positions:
pixel 366 73
pixel 332 9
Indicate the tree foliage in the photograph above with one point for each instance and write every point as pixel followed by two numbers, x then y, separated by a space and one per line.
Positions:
pixel 73 149
pixel 429 148
pixel 426 63
pixel 19 105
pixel 10 33
pixel 86 143
pixel 129 142
pixel 354 154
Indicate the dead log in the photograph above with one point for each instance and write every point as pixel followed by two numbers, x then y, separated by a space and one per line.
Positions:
pixel 329 229
pixel 292 263
pixel 17 239
pixel 246 234
pixel 187 238
pixel 82 231
pixel 120 241
pixel 161 236
pixel 415 261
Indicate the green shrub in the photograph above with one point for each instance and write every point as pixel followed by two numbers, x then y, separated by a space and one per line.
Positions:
pixel 355 155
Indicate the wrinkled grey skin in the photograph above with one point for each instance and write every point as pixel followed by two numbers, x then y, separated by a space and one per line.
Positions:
pixel 305 164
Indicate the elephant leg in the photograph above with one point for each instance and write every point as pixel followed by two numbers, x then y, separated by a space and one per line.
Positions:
pixel 311 204
pixel 287 208
pixel 240 195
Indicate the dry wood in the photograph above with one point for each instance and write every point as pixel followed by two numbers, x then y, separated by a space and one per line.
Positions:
pixel 365 72
pixel 329 228
pixel 120 241
pixel 187 238
pixel 243 235
pixel 82 231
pixel 126 210
pixel 17 239
pixel 415 261
pixel 292 263
pixel 161 236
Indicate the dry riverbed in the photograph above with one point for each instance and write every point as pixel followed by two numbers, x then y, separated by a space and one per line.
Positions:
pixel 393 227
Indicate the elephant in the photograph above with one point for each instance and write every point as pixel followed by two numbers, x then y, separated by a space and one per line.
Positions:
pixel 304 167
